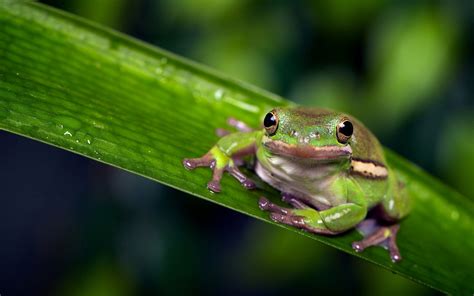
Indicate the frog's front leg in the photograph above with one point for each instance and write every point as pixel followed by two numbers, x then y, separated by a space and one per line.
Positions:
pixel 218 163
pixel 330 222
pixel 333 220
pixel 220 158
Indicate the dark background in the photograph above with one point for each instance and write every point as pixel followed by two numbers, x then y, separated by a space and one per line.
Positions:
pixel 72 226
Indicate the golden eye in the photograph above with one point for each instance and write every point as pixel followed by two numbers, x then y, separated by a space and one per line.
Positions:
pixel 344 131
pixel 270 123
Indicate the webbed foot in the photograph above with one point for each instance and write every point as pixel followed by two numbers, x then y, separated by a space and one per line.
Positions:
pixel 377 235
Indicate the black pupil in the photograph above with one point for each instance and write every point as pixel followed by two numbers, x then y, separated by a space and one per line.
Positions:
pixel 269 120
pixel 346 128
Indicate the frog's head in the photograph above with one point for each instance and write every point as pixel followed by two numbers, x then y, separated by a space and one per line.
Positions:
pixel 308 133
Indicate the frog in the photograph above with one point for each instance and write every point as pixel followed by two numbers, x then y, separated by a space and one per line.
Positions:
pixel 330 169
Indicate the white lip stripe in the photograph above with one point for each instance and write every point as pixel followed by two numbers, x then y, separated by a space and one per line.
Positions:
pixel 369 169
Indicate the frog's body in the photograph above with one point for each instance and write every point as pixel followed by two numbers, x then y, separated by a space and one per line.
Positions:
pixel 328 166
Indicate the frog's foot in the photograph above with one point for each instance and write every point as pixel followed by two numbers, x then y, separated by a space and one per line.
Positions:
pixel 237 124
pixel 305 218
pixel 209 160
pixel 376 235
pixel 265 205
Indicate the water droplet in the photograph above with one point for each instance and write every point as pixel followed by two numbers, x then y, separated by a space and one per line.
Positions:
pixel 68 133
pixel 218 94
pixel 17 74
pixel 98 124
pixel 85 138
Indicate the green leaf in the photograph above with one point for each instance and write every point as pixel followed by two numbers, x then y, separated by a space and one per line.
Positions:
pixel 80 87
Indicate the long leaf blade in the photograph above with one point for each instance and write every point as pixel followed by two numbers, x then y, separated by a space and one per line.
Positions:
pixel 72 84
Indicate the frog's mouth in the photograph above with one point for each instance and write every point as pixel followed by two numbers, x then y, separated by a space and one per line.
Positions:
pixel 327 153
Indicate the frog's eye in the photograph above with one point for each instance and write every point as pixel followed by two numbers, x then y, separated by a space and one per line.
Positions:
pixel 270 123
pixel 344 131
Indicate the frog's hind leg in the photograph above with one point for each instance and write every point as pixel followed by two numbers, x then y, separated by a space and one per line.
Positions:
pixel 378 235
pixel 220 132
pixel 237 124
pixel 394 207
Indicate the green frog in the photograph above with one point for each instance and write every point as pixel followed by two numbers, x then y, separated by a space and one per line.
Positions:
pixel 329 167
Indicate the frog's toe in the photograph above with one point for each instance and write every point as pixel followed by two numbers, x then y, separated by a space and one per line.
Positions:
pixel 239 125
pixel 248 184
pixel 237 174
pixel 265 205
pixel 291 220
pixel 192 163
pixel 220 132
pixel 214 186
pixel 292 200
pixel 395 256
pixel 189 164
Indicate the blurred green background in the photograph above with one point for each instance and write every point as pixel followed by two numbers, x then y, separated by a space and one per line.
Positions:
pixel 405 68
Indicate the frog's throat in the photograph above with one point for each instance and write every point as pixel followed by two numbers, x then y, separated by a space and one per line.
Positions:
pixel 307 151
